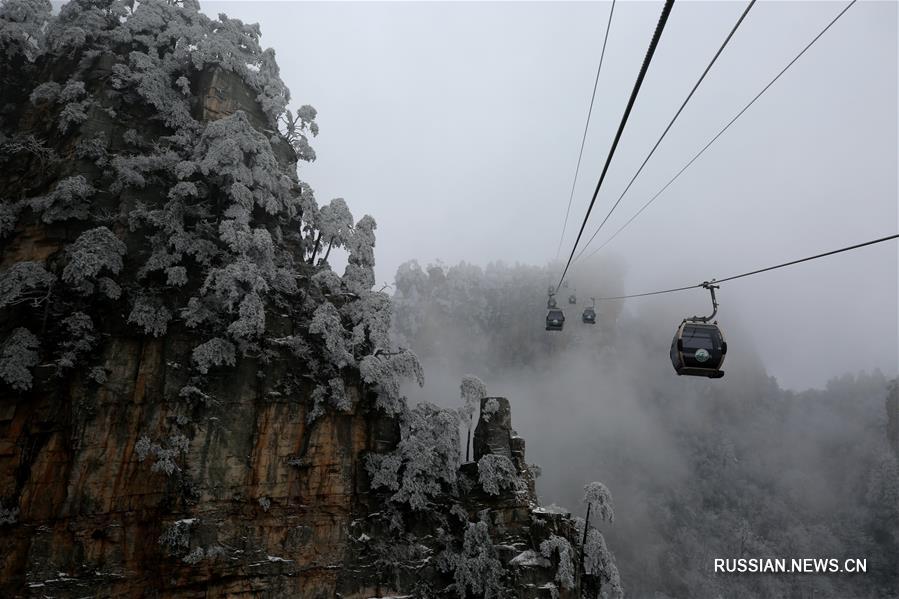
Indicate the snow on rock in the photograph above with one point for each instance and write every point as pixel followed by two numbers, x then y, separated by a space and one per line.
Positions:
pixel 530 559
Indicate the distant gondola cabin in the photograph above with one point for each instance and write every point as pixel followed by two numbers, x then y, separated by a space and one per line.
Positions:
pixel 555 320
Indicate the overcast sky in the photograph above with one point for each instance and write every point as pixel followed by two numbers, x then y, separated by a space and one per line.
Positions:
pixel 457 126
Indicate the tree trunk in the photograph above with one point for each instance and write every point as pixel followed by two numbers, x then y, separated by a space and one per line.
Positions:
pixel 315 248
pixel 328 253
pixel 579 553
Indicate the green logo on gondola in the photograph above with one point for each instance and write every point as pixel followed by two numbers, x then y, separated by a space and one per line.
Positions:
pixel 701 355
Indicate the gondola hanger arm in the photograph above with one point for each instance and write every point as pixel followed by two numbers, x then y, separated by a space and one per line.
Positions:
pixel 711 286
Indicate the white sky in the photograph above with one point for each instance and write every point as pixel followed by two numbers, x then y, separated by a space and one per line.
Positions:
pixel 457 126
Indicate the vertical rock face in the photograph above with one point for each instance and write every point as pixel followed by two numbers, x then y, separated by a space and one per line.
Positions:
pixel 493 434
pixel 258 500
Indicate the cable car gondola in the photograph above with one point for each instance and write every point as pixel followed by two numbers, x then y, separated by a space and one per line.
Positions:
pixel 572 299
pixel 589 315
pixel 555 320
pixel 698 347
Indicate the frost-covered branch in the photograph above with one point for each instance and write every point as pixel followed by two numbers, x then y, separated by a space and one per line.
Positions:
pixel 497 473
pixel 424 462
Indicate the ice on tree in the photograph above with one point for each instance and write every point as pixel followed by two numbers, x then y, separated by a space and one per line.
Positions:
pixel 235 47
pixel 18 356
pixel 80 338
pixel 250 317
pixel 472 390
pixel 46 92
pixel 328 281
pixel 598 561
pixel 335 228
pixel 150 315
pixel 491 407
pixel 424 462
pixel 326 323
pixel 75 110
pixel 69 199
pixel 565 569
pixel 22 28
pixel 476 569
pixel 232 150
pixel 25 282
pixel 333 394
pixel 496 473
pixel 295 128
pixel 359 274
pixel 166 454
pixel 371 317
pixel 599 501
pixel 215 352
pixel 95 251
pixel 176 276
pixel 386 372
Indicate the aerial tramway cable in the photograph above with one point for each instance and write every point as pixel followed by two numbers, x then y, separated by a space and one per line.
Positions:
pixel 706 284
pixel 719 134
pixel 666 10
pixel 673 119
pixel 586 126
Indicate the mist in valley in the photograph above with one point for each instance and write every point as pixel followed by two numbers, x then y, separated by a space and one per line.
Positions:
pixel 698 468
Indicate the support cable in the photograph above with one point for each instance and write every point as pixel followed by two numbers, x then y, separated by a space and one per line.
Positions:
pixel 753 272
pixel 586 126
pixel 720 133
pixel 674 118
pixel 666 10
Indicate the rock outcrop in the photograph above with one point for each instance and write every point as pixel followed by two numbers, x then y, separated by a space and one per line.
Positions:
pixel 411 561
pixel 259 500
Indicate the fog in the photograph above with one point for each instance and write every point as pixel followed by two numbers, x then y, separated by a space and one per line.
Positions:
pixel 457 125
pixel 698 468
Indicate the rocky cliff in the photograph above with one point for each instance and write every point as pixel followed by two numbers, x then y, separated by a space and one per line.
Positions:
pixel 192 403
pixel 260 504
